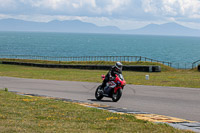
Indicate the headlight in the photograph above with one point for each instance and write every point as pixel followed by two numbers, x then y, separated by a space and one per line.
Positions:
pixel 124 83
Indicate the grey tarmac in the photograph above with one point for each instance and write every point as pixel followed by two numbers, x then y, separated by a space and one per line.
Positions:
pixel 176 102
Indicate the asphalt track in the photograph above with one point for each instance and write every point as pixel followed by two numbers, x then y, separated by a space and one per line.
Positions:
pixel 170 101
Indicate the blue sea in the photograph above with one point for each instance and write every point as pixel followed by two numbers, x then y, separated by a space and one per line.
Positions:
pixel 165 48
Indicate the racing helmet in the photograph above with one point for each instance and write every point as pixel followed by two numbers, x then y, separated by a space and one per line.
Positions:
pixel 118 66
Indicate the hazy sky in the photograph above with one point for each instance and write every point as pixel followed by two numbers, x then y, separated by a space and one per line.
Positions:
pixel 125 14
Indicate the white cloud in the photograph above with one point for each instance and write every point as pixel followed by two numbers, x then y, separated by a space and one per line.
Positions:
pixel 7 4
pixel 116 5
pixel 122 13
pixel 49 4
pixel 60 4
pixel 175 8
pixel 114 8
pixel 98 7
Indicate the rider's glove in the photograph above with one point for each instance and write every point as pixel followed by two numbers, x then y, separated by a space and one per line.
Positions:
pixel 112 78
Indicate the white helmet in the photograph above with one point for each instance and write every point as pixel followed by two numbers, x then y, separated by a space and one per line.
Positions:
pixel 118 65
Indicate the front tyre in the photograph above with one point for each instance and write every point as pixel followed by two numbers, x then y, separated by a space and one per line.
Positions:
pixel 116 96
pixel 99 93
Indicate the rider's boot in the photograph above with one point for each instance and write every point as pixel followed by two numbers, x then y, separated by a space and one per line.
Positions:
pixel 103 85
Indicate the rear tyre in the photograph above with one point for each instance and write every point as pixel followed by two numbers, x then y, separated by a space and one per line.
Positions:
pixel 116 96
pixel 99 93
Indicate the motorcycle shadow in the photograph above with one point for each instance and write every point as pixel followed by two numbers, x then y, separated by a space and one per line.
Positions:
pixel 95 100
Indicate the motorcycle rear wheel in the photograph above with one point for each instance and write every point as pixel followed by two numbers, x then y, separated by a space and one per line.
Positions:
pixel 116 96
pixel 99 93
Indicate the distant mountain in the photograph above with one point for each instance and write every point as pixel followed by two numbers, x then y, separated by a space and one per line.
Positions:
pixel 76 26
pixel 166 29
pixel 55 26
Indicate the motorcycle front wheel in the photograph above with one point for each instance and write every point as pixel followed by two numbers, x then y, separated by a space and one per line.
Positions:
pixel 116 96
pixel 99 93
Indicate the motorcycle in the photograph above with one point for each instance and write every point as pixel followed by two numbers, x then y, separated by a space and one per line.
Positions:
pixel 113 88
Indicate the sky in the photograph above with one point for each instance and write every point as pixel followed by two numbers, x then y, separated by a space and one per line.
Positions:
pixel 125 14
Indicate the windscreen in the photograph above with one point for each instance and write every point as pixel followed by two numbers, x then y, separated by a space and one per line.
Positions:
pixel 121 77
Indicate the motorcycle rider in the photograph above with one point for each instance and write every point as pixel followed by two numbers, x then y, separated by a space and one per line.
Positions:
pixel 116 69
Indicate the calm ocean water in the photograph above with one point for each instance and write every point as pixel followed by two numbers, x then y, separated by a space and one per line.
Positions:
pixel 165 48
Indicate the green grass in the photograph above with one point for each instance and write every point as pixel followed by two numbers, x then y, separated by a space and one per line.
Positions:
pixel 170 77
pixel 36 114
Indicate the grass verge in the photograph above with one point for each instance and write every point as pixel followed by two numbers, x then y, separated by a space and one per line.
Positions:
pixel 176 78
pixel 37 114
